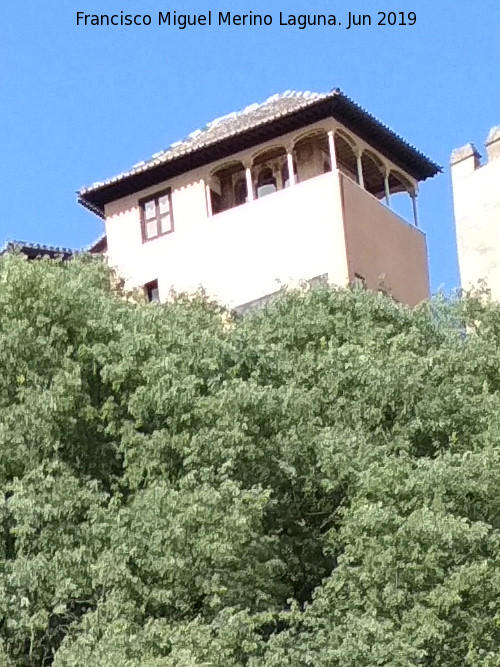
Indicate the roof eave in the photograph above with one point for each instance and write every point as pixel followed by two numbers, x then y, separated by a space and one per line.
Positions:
pixel 99 211
pixel 337 105
pixel 395 147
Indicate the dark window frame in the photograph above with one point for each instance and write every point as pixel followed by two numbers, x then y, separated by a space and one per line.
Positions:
pixel 156 197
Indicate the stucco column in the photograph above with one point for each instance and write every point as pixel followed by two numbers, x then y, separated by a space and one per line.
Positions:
pixel 359 163
pixel 291 173
pixel 209 200
pixel 248 176
pixel 386 188
pixel 331 146
pixel 413 196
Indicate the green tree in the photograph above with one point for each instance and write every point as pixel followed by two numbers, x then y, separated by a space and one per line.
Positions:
pixel 312 484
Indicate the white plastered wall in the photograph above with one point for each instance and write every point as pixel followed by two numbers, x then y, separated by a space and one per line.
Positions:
pixel 476 200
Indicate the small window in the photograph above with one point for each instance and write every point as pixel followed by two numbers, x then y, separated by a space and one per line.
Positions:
pixel 156 215
pixel 152 292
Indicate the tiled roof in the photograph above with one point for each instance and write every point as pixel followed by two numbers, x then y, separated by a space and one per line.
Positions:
pixel 247 122
pixel 36 249
pixel 222 128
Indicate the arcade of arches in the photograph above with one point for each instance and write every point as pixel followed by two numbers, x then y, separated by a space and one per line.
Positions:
pixel 310 155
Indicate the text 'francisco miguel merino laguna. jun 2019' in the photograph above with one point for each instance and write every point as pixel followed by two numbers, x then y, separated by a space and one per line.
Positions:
pixel 182 21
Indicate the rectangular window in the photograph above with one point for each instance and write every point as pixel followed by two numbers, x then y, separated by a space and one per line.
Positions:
pixel 156 215
pixel 152 291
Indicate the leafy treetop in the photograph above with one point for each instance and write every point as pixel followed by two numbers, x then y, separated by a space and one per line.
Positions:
pixel 313 484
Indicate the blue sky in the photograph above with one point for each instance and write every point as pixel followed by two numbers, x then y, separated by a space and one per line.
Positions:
pixel 82 104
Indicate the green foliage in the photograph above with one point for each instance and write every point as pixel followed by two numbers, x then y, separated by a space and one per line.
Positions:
pixel 313 484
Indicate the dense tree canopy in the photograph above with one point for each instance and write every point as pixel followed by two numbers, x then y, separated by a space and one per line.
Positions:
pixel 314 484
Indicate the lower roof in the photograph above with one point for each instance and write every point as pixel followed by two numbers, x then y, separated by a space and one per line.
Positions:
pixel 37 250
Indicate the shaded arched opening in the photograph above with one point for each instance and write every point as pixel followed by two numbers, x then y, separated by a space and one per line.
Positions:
pixel 311 154
pixel 240 191
pixel 268 171
pixel 266 182
pixel 346 156
pixel 399 183
pixel 228 187
pixel 401 190
pixel 373 175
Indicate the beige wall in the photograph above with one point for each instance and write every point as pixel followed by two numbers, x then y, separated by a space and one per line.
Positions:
pixel 386 251
pixel 476 200
pixel 244 253
pixel 240 254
